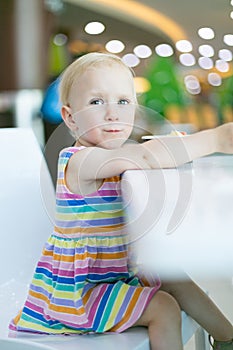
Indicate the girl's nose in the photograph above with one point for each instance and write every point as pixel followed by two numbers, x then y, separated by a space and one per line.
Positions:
pixel 111 112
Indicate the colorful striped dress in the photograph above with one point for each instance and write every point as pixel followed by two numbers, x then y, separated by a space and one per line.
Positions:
pixel 83 282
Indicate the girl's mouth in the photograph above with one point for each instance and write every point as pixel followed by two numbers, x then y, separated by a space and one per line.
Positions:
pixel 112 130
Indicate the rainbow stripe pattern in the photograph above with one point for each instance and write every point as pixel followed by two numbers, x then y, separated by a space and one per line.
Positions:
pixel 83 282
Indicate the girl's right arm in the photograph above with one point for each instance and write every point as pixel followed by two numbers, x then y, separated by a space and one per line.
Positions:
pixel 94 163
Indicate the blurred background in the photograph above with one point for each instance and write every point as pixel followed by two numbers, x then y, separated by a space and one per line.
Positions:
pixel 181 52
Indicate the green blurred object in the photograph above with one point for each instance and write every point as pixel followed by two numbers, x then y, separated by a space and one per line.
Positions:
pixel 166 88
pixel 225 92
pixel 58 58
pixel 222 98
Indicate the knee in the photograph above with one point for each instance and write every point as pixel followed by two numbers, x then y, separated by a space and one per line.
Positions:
pixel 166 308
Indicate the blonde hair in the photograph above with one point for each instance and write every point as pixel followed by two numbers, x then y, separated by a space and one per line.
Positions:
pixel 78 67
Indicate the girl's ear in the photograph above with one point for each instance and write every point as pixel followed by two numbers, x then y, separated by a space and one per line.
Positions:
pixel 67 116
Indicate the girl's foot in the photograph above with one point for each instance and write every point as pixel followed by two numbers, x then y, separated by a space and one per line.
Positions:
pixel 221 345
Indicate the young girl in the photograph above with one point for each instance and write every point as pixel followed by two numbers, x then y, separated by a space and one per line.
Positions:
pixel 84 281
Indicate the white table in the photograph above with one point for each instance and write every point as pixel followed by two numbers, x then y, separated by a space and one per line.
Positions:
pixel 183 218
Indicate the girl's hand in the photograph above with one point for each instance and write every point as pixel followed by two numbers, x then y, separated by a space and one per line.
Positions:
pixel 224 138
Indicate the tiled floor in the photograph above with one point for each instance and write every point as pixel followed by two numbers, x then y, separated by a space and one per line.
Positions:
pixel 221 291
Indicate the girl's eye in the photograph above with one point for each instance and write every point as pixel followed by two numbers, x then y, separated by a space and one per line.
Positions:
pixel 97 101
pixel 123 102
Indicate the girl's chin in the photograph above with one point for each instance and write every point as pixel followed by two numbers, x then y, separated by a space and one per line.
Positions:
pixel 104 142
pixel 112 144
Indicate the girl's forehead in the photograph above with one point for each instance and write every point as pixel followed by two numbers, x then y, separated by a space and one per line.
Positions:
pixel 107 79
pixel 102 74
pixel 113 68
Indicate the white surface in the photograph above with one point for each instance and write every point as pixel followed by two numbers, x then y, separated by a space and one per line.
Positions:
pixel 26 195
pixel 12 344
pixel 133 339
pixel 27 203
pixel 26 198
pixel 183 218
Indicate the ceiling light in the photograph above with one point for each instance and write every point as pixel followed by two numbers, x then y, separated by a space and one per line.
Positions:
pixel 231 14
pixel 115 46
pixel 232 2
pixel 206 33
pixel 184 46
pixel 131 60
pixel 206 50
pixel 94 28
pixel 189 77
pixel 60 39
pixel 54 6
pixel 194 92
pixel 205 62
pixel 164 50
pixel 187 59
pixel 225 55
pixel 192 85
pixel 214 79
pixel 228 39
pixel 142 51
pixel 222 66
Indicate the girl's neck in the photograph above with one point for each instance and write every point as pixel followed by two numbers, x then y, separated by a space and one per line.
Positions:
pixel 80 144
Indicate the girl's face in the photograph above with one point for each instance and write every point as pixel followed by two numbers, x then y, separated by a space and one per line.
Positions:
pixel 102 105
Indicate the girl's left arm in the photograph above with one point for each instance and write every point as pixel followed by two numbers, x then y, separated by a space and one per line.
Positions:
pixel 95 163
pixel 174 151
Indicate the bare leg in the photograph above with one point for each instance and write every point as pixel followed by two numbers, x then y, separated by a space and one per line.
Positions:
pixel 163 319
pixel 200 307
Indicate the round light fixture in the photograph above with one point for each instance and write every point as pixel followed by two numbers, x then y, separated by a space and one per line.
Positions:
pixel 184 46
pixel 60 39
pixel 228 39
pixel 131 60
pixel 94 28
pixel 206 50
pixel 214 79
pixel 164 50
pixel 189 77
pixel 205 62
pixel 187 59
pixel 225 55
pixel 222 66
pixel 142 51
pixel 115 46
pixel 206 33
pixel 192 84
